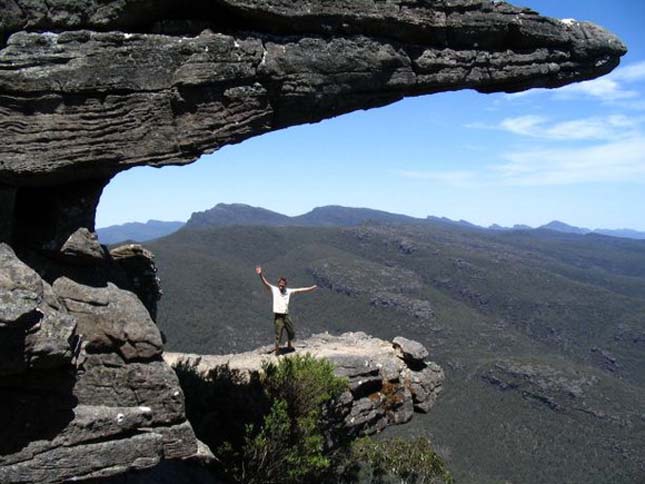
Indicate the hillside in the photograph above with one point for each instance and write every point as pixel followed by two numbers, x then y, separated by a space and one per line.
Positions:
pixel 541 333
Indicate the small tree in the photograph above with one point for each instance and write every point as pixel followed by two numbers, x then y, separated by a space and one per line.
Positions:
pixel 289 445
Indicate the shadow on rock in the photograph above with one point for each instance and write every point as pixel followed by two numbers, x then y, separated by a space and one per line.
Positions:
pixel 35 406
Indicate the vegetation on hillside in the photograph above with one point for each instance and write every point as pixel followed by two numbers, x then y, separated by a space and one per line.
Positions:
pixel 541 334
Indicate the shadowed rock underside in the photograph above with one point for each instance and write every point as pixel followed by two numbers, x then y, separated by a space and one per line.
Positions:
pixel 90 88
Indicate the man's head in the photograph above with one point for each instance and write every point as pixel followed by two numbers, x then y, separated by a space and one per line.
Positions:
pixel 282 283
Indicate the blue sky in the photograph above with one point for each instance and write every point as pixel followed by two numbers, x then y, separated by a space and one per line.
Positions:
pixel 575 154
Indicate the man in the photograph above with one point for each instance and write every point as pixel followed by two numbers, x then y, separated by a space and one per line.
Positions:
pixel 281 296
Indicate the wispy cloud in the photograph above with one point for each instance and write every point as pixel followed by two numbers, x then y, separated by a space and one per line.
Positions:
pixel 608 160
pixel 630 73
pixel 523 125
pixel 600 148
pixel 604 88
pixel 615 161
pixel 591 128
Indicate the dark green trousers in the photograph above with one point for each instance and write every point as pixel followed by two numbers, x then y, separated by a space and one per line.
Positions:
pixel 283 322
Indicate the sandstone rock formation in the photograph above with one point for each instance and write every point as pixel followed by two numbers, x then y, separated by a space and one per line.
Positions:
pixel 140 272
pixel 560 389
pixel 92 87
pixel 386 384
pixel 135 83
pixel 85 392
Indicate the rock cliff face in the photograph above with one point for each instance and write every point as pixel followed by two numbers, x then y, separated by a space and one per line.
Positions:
pixel 92 87
pixel 388 381
pixel 85 392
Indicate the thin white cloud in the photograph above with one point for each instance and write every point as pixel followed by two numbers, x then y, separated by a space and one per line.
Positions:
pixel 524 125
pixel 593 149
pixel 615 161
pixel 602 88
pixel 592 128
pixel 630 73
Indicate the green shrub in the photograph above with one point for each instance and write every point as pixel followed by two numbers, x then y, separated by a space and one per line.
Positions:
pixel 277 428
pixel 395 460
pixel 289 444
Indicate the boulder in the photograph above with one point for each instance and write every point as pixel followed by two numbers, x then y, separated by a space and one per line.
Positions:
pixel 137 263
pixel 411 351
pixel 85 393
pixel 425 386
pixel 83 247
pixel 36 331
pixel 110 319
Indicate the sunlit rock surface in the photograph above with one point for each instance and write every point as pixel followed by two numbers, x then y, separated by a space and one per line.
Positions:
pixel 386 384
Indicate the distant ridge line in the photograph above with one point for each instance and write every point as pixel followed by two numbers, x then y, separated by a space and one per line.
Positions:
pixel 224 214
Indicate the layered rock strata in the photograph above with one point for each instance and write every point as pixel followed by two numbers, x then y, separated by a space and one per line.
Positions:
pixel 388 381
pixel 85 393
pixel 88 89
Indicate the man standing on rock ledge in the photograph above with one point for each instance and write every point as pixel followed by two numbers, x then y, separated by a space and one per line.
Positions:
pixel 281 296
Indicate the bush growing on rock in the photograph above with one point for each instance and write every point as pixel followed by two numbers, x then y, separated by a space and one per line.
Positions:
pixel 290 444
pixel 273 430
pixel 284 425
pixel 395 460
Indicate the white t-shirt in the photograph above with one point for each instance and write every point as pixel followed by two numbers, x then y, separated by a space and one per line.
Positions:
pixel 280 300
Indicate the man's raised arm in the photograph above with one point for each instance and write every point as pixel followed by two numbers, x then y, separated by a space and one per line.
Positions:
pixel 258 270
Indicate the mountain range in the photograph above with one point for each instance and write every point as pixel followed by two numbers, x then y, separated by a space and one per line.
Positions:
pixel 541 332
pixel 137 231
pixel 332 215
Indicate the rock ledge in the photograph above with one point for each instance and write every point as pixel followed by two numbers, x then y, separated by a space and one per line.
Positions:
pixel 385 389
